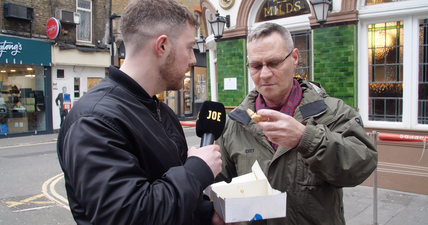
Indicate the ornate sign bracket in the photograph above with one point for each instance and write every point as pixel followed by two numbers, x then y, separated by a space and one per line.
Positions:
pixel 226 4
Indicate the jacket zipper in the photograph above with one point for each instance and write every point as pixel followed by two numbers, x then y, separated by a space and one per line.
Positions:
pixel 163 128
pixel 158 111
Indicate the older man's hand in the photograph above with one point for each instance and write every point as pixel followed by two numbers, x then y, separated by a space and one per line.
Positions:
pixel 281 129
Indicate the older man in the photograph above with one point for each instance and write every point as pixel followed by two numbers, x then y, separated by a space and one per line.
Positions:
pixel 312 145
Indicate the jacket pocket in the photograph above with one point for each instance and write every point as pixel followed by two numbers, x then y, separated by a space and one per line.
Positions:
pixel 307 179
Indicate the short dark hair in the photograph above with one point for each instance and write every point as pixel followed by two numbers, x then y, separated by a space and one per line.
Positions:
pixel 144 19
pixel 267 29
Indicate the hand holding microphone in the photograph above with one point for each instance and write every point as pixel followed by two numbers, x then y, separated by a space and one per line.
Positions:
pixel 209 126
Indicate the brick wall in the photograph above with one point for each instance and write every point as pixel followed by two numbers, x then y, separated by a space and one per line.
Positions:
pixel 335 61
pixel 231 58
pixel 44 9
pixel 21 27
pixel 100 21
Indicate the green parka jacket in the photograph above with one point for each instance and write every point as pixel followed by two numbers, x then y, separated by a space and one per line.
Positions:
pixel 334 152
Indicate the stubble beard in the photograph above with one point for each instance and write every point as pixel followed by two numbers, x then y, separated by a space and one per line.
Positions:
pixel 170 73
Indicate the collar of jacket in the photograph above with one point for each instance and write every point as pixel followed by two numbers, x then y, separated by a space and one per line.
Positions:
pixel 312 102
pixel 131 86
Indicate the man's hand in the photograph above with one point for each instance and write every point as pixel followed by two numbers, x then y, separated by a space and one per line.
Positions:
pixel 210 154
pixel 282 129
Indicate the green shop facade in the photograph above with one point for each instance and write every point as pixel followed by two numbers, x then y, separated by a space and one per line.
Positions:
pixel 372 54
pixel 25 77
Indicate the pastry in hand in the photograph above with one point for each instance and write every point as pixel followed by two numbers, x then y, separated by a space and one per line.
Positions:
pixel 255 117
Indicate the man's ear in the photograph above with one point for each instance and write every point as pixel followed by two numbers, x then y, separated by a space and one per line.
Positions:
pixel 295 56
pixel 162 44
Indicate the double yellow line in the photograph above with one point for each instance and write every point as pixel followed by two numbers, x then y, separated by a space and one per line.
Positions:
pixel 49 191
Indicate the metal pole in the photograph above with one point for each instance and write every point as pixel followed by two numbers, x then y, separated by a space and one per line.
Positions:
pixel 375 136
pixel 112 46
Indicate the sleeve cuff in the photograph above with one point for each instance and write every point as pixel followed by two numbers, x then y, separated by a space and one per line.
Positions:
pixel 200 170
pixel 304 147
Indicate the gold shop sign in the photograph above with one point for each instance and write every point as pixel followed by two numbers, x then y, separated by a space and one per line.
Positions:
pixel 276 9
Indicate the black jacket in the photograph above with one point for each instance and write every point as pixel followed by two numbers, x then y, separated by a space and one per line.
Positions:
pixel 124 154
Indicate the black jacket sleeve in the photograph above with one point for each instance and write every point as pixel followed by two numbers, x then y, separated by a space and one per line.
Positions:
pixel 107 184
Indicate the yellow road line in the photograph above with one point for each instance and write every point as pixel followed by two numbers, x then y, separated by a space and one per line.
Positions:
pixel 53 191
pixel 45 190
pixel 28 200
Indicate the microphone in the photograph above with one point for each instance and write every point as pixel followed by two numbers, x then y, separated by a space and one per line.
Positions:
pixel 210 122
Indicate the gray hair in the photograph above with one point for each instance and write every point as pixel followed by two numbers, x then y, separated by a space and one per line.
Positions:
pixel 267 29
pixel 143 20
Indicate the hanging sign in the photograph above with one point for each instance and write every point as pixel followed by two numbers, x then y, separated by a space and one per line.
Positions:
pixel 53 26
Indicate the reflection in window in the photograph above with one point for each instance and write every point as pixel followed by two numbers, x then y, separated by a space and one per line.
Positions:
pixel 374 2
pixel 302 42
pixel 423 72
pixel 385 71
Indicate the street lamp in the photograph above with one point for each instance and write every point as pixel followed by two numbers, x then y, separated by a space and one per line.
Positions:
pixel 217 24
pixel 321 8
pixel 112 47
pixel 201 44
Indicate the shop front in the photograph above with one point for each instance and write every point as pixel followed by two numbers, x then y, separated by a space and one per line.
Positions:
pixel 24 86
pixel 75 71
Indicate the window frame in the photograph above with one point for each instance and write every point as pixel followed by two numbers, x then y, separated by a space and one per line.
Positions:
pixel 77 26
pixel 410 20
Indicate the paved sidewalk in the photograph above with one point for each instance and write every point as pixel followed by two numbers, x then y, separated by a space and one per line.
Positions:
pixel 33 139
pixel 393 207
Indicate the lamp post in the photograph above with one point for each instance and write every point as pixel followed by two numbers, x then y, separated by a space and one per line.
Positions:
pixel 201 44
pixel 217 24
pixel 112 46
pixel 321 8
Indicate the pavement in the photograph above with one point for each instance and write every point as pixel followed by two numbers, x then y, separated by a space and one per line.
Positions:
pixel 393 207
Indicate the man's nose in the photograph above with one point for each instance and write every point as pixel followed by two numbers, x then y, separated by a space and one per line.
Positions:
pixel 192 60
pixel 265 72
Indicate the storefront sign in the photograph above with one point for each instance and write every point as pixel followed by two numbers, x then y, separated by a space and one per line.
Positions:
pixel 15 50
pixel 53 26
pixel 275 9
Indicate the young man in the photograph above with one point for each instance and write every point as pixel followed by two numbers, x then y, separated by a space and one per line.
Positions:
pixel 312 145
pixel 123 151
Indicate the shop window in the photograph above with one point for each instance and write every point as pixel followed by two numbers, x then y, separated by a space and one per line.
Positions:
pixel 386 71
pixel 302 42
pixel 59 73
pixel 22 99
pixel 84 29
pixel 201 84
pixel 275 9
pixel 187 94
pixel 423 72
pixel 393 77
